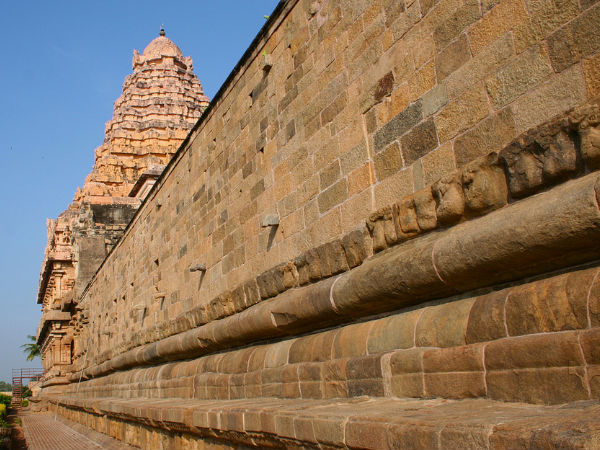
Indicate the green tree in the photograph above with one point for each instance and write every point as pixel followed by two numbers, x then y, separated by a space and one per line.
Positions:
pixel 31 349
pixel 5 387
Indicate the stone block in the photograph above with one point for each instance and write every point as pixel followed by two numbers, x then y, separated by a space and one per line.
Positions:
pixel 452 57
pixel 277 354
pixel 404 435
pixel 501 18
pixel 334 379
pixel 421 140
pixel 354 158
pixel 360 179
pixel 456 23
pixel 425 208
pixel 332 258
pixel 406 218
pixel 484 185
pixel 594 302
pixel 329 431
pixel 270 283
pixel 364 376
pixel 589 345
pixel 480 66
pixel 384 86
pixel 388 162
pixel 590 147
pixel 422 81
pixel 407 373
pixel 461 114
pixel 308 266
pixel 357 246
pixel 333 196
pixel 382 229
pixel 486 318
pixel 365 367
pixel 303 430
pixel 518 76
pixel 252 292
pixel 449 197
pixel 491 135
pixel 543 156
pixel 464 358
pixel 562 92
pixel 238 298
pixel 351 341
pixel 577 431
pixel 397 126
pixel 591 71
pixel 444 325
pixel 310 377
pixel 372 435
pixel 455 384
pixel 546 16
pixel 392 333
pixel 552 385
pixel 454 372
pixel 549 350
pixel 438 163
pixel 313 348
pixel 553 304
pixel 576 40
pixel 329 175
pixel 434 100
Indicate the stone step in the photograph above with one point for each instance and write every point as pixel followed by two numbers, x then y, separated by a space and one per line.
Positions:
pixel 363 422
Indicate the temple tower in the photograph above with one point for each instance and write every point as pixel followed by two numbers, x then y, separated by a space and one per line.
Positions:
pixel 161 101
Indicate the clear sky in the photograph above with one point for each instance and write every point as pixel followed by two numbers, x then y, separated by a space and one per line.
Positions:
pixel 62 67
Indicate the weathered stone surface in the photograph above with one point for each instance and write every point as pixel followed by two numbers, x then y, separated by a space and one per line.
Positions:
pixel 399 125
pixel 393 333
pixel 444 326
pixel 421 140
pixel 407 218
pixel 491 135
pixel 484 185
pixel 335 124
pixel 454 373
pixel 487 318
pixel 382 227
pixel 547 231
pixel 543 368
pixel 356 247
pixel 577 39
pixel 452 57
pixel 557 304
pixel 590 147
pixel 522 73
pixel 401 424
pixel 561 93
pixel 450 199
pixel 541 157
pixel 425 208
pixel 406 369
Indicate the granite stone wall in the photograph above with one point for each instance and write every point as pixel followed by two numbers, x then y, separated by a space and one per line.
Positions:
pixel 391 203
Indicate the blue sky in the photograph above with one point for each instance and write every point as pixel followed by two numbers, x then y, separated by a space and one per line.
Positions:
pixel 63 65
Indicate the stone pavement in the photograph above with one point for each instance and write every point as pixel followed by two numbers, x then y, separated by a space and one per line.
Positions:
pixel 43 432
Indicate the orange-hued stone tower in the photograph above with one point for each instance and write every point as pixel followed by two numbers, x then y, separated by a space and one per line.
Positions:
pixel 161 101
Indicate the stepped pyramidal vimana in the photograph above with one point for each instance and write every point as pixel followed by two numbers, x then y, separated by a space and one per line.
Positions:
pixel 382 233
